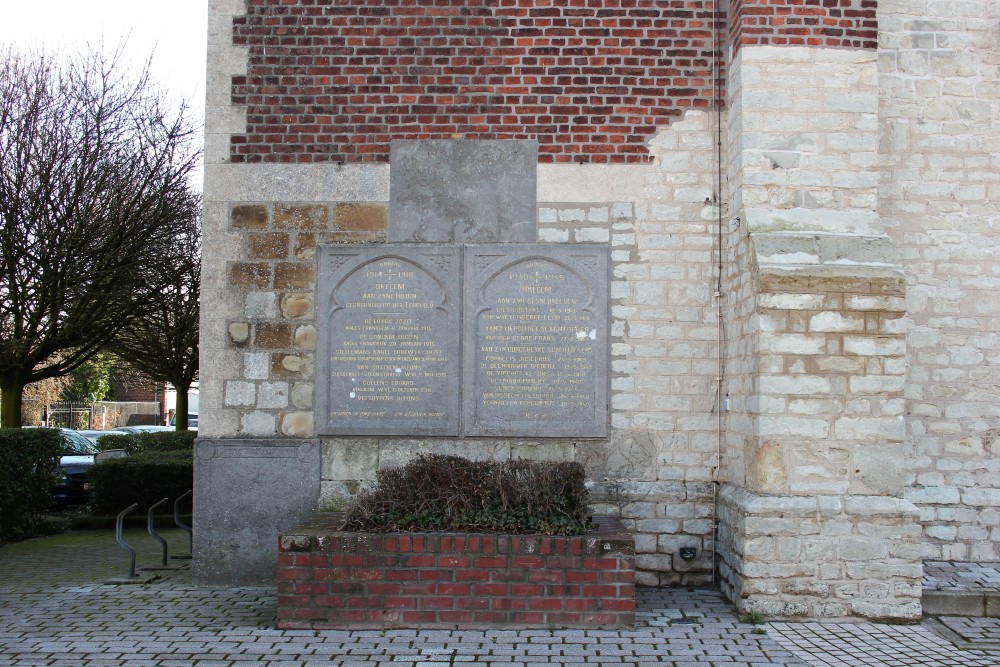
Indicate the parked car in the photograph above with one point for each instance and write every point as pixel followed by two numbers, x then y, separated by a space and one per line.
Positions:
pixel 145 428
pixel 192 420
pixel 94 436
pixel 75 462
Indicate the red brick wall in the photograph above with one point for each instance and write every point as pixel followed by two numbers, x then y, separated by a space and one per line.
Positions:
pixel 836 23
pixel 329 579
pixel 589 79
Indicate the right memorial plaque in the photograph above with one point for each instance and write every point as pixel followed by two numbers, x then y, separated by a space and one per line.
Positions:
pixel 536 341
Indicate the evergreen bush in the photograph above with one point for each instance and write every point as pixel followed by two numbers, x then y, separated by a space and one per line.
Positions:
pixel 159 465
pixel 135 443
pixel 29 469
pixel 449 493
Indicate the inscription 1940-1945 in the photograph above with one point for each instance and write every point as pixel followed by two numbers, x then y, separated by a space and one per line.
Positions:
pixel 488 340
pixel 535 340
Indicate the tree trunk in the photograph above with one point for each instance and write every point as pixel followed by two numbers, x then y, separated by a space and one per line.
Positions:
pixel 11 393
pixel 181 409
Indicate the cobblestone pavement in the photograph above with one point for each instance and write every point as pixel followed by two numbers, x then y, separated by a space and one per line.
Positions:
pixel 975 632
pixel 55 609
pixel 945 576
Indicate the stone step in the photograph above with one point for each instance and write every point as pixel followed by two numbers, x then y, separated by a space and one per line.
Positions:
pixel 960 603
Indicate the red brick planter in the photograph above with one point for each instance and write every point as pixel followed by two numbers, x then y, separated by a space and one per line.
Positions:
pixel 331 579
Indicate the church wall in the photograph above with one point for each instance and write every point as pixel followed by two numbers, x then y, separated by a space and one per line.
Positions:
pixel 939 112
pixel 857 431
pixel 652 200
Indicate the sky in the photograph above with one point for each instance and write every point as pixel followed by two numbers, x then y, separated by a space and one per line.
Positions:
pixel 173 32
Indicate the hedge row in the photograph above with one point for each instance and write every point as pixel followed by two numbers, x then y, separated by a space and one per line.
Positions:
pixel 159 465
pixel 29 469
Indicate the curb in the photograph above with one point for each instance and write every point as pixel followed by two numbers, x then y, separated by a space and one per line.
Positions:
pixel 960 603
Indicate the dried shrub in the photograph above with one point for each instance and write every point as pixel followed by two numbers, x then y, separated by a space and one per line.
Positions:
pixel 449 493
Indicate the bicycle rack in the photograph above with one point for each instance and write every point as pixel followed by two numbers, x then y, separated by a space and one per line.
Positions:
pixel 183 526
pixel 122 542
pixel 155 535
pixel 159 538
pixel 132 577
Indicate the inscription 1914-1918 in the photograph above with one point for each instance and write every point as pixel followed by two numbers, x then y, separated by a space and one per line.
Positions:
pixel 507 340
pixel 389 329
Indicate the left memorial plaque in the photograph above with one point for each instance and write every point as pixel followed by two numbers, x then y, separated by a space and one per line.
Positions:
pixel 388 360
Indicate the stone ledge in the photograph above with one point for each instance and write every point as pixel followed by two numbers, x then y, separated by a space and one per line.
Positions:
pixel 955 603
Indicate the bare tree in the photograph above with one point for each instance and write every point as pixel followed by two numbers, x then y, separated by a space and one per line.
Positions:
pixel 94 194
pixel 38 396
pixel 163 344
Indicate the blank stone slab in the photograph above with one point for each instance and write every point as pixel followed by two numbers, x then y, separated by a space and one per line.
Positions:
pixel 463 191
pixel 536 341
pixel 388 337
pixel 248 491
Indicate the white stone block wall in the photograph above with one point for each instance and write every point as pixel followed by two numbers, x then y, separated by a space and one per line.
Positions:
pixel 816 373
pixel 825 556
pixel 939 109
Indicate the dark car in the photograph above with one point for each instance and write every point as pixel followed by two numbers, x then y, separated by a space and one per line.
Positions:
pixel 76 460
pixel 192 420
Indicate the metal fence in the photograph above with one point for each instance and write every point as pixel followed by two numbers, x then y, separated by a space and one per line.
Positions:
pixel 103 415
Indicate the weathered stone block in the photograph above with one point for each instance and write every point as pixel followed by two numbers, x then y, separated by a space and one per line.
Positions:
pixel 297 424
pixel 240 393
pixel 297 306
pixel 294 275
pixel 305 337
pixel 249 274
pixel 256 365
pixel 250 216
pixel 272 395
pixel 360 217
pixel 269 245
pixel 308 217
pixel 291 365
pixel 239 332
pixel 272 335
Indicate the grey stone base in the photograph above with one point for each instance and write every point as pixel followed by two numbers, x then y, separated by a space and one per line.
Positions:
pixel 829 557
pixel 961 603
pixel 245 493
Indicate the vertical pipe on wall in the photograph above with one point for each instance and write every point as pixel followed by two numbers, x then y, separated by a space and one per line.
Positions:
pixel 717 70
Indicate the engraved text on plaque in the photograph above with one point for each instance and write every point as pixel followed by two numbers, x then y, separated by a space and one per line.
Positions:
pixel 536 340
pixel 388 336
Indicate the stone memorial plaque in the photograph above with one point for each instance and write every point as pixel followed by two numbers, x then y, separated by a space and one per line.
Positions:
pixel 536 340
pixel 388 340
pixel 462 191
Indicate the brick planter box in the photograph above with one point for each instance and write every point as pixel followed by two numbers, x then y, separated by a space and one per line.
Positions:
pixel 331 579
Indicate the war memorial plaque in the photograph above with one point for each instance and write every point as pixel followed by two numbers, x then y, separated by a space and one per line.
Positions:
pixel 535 340
pixel 388 340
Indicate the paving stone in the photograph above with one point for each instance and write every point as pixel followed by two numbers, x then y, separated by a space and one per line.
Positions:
pixel 55 610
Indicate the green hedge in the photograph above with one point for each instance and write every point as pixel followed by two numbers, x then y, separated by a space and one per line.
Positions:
pixel 135 443
pixel 29 469
pixel 433 493
pixel 159 465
